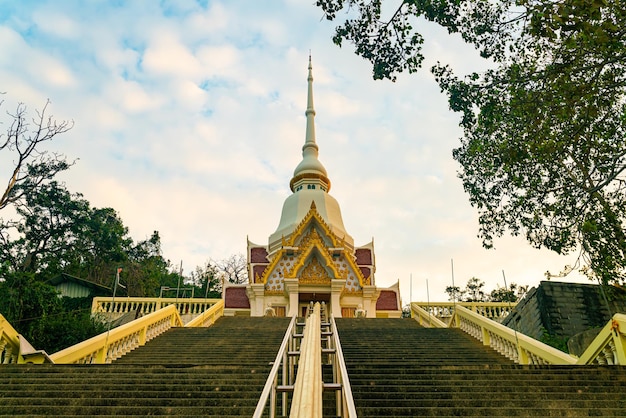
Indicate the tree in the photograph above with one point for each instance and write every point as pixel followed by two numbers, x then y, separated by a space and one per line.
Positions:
pixel 49 224
pixel 543 153
pixel 454 293
pixel 36 311
pixel 31 165
pixel 233 268
pixel 474 292
pixel 511 294
pixel 207 279
pixel 59 232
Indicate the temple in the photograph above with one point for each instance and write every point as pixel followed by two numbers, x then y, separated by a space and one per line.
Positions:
pixel 311 257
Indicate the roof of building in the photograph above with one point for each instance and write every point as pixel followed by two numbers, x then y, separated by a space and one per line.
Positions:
pixel 64 278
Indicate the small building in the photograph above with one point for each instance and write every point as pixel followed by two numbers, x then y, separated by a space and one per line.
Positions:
pixel 75 287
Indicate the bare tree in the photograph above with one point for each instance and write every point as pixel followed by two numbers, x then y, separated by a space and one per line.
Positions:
pixel 234 268
pixel 30 164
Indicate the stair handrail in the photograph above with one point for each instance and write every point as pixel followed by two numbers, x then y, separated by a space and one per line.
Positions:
pixel 445 310
pixel 269 390
pixel 208 317
pixel 348 410
pixel 609 346
pixel 9 342
pixel 113 344
pixel 306 401
pixel 105 305
pixel 426 318
pixel 520 348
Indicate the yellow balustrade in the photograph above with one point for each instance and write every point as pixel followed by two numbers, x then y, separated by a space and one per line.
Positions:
pixel 426 318
pixel 307 392
pixel 445 310
pixel 187 307
pixel 518 347
pixel 113 344
pixel 14 348
pixel 9 342
pixel 609 346
pixel 208 317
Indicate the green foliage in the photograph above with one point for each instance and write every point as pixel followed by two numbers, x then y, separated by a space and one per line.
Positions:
pixel 59 232
pixel 24 300
pixel 45 320
pixel 454 293
pixel 207 281
pixel 474 292
pixel 560 343
pixel 543 153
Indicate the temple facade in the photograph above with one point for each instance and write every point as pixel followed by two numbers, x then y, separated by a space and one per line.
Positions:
pixel 311 257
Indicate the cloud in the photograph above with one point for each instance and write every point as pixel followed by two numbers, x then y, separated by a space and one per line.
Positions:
pixel 190 121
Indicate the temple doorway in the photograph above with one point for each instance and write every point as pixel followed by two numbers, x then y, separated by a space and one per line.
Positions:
pixel 305 299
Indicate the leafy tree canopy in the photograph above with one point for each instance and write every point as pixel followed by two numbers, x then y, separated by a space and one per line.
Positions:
pixel 543 153
pixel 474 291
pixel 57 231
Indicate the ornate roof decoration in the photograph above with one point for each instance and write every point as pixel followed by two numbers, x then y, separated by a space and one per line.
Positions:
pixel 314 240
pixel 310 167
pixel 313 214
pixel 315 245
pixel 314 273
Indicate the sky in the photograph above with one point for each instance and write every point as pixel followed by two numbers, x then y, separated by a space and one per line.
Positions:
pixel 189 120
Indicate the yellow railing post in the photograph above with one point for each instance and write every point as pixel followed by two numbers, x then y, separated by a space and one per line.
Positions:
pixel 486 336
pixel 620 347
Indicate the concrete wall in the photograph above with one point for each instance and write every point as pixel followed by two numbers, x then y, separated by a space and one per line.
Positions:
pixel 564 309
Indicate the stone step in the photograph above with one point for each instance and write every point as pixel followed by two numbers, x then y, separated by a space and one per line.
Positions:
pixel 444 372
pixel 496 411
pixel 184 372
pixel 137 401
pixel 141 411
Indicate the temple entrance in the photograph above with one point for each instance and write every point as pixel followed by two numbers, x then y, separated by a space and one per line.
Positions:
pixel 305 298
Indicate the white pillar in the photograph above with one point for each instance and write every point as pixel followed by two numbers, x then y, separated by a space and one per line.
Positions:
pixel 370 296
pixel 291 287
pixel 335 296
pixel 256 295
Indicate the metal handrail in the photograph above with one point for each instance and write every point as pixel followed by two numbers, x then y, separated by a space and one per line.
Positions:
pixel 272 379
pixel 347 402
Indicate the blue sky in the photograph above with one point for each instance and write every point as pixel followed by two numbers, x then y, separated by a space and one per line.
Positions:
pixel 189 120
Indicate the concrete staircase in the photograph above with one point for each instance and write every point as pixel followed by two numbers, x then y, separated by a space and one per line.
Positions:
pixel 399 369
pixel 213 372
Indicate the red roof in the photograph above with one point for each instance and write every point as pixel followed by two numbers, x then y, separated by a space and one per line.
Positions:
pixel 387 301
pixel 258 255
pixel 236 297
pixel 363 256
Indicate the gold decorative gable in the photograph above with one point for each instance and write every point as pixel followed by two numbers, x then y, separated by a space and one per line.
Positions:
pixel 314 273
pixel 315 244
pixel 313 215
pixel 309 238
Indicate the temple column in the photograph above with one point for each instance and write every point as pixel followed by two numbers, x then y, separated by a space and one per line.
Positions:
pixel 370 296
pixel 336 286
pixel 291 288
pixel 256 295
